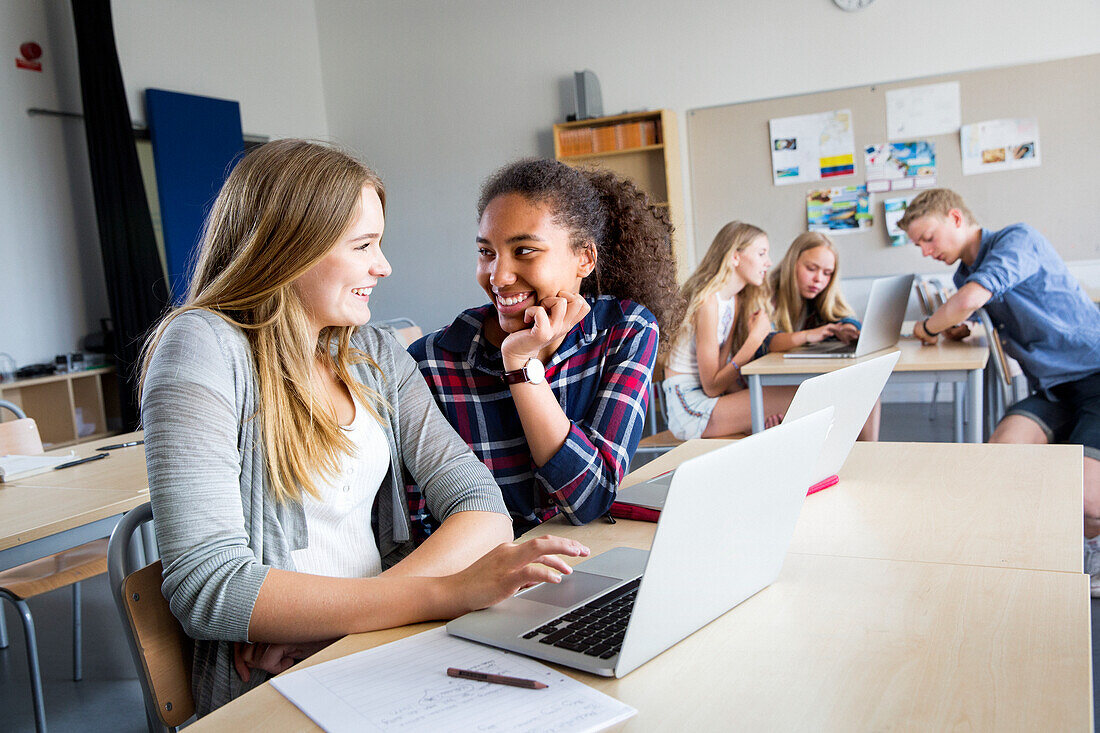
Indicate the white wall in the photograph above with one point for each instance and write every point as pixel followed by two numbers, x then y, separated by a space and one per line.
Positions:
pixel 51 274
pixel 436 95
pixel 263 53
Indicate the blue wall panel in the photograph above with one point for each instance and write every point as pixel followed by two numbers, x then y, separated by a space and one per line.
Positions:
pixel 195 141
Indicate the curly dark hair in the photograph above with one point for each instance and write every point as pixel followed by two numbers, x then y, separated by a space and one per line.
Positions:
pixel 633 237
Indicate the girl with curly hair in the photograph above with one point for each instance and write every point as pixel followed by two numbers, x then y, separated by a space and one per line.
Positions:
pixel 725 324
pixel 548 383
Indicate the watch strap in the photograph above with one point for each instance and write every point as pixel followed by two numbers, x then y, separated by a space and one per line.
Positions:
pixel 516 376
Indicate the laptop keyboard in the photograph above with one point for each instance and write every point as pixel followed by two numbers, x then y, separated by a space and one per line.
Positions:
pixel 597 628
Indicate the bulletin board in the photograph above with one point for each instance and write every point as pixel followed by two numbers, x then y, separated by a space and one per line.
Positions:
pixel 729 150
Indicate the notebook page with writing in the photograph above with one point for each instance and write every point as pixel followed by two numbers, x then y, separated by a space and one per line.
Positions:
pixel 403 686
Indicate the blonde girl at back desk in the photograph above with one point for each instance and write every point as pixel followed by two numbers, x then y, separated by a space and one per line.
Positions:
pixel 808 306
pixel 725 324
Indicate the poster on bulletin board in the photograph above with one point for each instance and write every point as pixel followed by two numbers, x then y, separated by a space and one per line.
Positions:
pixel 897 166
pixel 839 210
pixel 812 147
pixel 893 209
pixel 998 145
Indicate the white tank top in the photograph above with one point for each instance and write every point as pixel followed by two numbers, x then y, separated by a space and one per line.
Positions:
pixel 683 358
pixel 341 542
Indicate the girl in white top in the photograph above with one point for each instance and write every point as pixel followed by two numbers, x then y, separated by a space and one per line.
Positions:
pixel 725 324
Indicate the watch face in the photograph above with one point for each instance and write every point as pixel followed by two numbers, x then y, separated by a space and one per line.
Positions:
pixel 535 371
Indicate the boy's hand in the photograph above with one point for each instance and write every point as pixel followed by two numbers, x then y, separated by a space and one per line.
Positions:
pixel 919 332
pixel 957 333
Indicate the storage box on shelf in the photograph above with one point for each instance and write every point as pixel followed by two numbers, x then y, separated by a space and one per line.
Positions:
pixel 641 146
pixel 69 408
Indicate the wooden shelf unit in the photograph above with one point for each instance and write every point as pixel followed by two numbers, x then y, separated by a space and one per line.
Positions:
pixel 54 402
pixel 641 146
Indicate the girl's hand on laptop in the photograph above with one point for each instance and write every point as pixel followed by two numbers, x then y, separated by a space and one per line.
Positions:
pixel 846 332
pixel 819 334
pixel 550 320
pixel 511 567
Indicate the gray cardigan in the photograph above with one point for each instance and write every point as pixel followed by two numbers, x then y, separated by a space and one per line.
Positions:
pixel 217 526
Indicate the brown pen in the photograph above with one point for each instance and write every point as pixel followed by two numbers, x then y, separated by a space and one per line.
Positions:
pixel 496 679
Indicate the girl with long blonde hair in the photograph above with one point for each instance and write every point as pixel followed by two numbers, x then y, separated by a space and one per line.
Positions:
pixel 725 324
pixel 280 432
pixel 808 306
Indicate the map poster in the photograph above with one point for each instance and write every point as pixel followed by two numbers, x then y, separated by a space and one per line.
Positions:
pixel 812 147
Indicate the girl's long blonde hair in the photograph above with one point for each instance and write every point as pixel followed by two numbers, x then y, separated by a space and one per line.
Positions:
pixel 282 208
pixel 715 270
pixel 790 308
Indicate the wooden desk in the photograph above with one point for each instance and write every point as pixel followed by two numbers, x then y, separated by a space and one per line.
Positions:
pixel 1015 506
pixel 844 642
pixel 836 643
pixel 958 362
pixel 58 510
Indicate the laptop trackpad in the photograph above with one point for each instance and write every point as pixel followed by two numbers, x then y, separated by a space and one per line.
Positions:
pixel 572 589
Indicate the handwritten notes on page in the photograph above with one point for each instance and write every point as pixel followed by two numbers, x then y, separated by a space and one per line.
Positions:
pixel 403 686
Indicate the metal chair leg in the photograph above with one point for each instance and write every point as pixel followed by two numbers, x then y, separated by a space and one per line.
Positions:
pixel 78 636
pixel 932 404
pixel 32 660
pixel 3 630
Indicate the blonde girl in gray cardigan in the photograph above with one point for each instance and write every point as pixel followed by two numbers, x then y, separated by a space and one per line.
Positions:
pixel 248 391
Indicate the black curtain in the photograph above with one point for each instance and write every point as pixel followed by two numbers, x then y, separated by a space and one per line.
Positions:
pixel 136 288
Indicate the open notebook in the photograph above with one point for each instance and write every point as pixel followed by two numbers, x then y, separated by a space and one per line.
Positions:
pixel 403 686
pixel 13 467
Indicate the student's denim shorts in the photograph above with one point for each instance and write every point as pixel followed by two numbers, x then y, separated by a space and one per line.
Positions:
pixel 688 406
pixel 1070 414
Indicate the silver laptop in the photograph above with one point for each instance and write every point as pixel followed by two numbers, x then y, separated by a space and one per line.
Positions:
pixel 851 391
pixel 623 607
pixel 881 323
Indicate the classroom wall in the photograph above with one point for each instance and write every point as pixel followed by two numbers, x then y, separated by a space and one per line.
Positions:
pixel 263 53
pixel 436 95
pixel 51 274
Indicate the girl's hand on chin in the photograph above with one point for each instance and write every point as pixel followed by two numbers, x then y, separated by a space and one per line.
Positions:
pixel 550 320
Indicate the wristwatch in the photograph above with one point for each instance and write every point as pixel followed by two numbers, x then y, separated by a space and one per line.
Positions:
pixel 533 372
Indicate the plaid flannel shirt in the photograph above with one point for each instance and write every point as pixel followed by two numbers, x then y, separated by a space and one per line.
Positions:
pixel 600 375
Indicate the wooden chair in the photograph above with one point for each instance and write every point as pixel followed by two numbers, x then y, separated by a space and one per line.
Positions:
pixel 20 437
pixel 162 653
pixel 34 578
pixel 1005 379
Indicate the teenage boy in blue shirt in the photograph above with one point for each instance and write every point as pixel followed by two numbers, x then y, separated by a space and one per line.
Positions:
pixel 1046 322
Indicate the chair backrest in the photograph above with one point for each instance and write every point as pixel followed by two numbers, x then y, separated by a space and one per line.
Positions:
pixel 924 296
pixel 406 330
pixel 20 437
pixel 996 349
pixel 162 653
